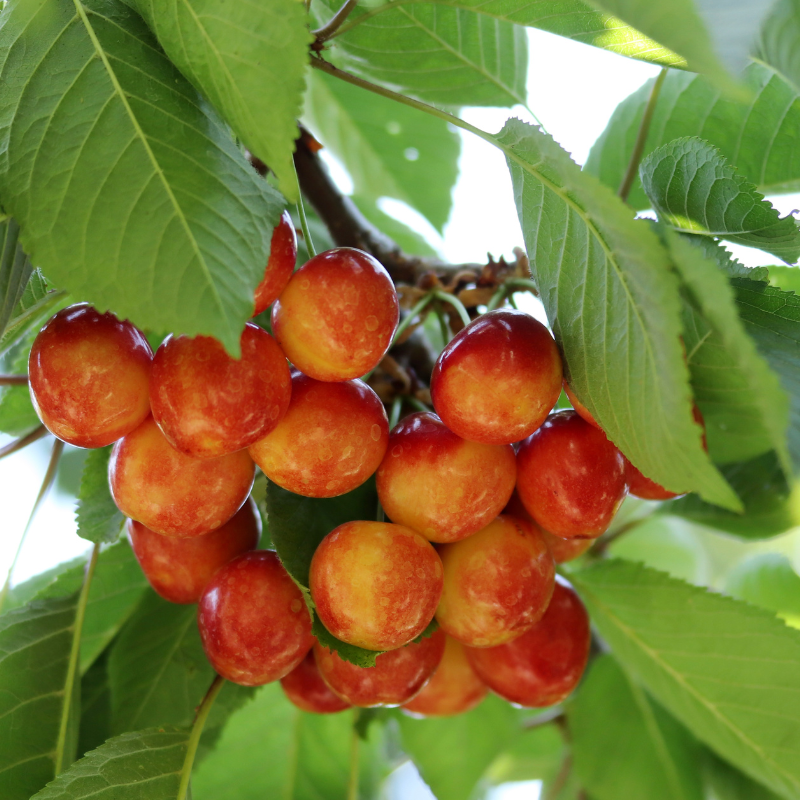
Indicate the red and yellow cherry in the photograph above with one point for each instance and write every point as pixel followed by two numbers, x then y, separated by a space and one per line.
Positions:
pixel 570 478
pixel 253 622
pixel 497 583
pixel 332 438
pixel 173 494
pixel 305 688
pixel 89 375
pixel 544 665
pixel 580 408
pixel 396 677
pixel 280 265
pixel 645 489
pixel 374 584
pixel 337 315
pixel 454 687
pixel 441 485
pixel 208 404
pixel 498 379
pixel 562 550
pixel 179 569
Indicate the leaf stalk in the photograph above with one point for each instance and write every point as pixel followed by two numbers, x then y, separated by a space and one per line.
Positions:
pixel 328 30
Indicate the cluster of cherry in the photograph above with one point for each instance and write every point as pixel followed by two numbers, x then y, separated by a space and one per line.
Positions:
pixel 190 424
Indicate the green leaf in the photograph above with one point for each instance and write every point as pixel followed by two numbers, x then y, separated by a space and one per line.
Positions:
pixel 95 725
pixel 758 137
pixel 99 519
pixel 612 720
pixel 297 526
pixel 118 769
pixel 15 271
pixel 779 39
pixel 762 487
pixel 731 381
pixel 408 239
pixel 17 415
pixel 389 150
pixel 726 783
pixel 726 670
pixel 129 191
pixel 767 580
pixel 157 668
pixel 35 643
pixel 786 278
pixel 300 756
pixel 452 753
pixel 536 755
pixel 22 593
pixel 694 190
pixel 614 307
pixel 249 60
pixel 444 55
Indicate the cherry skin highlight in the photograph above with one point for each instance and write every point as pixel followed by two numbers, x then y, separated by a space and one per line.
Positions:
pixel 544 665
pixel 580 408
pixel 498 379
pixel 179 569
pixel 208 404
pixel 89 375
pixel 173 494
pixel 497 583
pixel 305 688
pixel 253 622
pixel 332 438
pixel 337 315
pixel 396 677
pixel 570 478
pixel 280 265
pixel 441 485
pixel 374 584
pixel 454 687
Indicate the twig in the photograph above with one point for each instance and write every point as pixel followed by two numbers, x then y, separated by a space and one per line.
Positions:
pixel 641 137
pixel 23 441
pixel 13 380
pixel 328 30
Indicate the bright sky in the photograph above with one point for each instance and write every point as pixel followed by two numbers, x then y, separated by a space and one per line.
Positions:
pixel 573 89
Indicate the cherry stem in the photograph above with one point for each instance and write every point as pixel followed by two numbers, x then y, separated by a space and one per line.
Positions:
pixel 47 482
pixel 641 137
pixel 597 550
pixel 455 302
pixel 13 380
pixel 352 788
pixel 74 656
pixel 415 403
pixel 410 317
pixel 301 211
pixel 442 317
pixel 197 729
pixel 560 780
pixel 549 717
pixel 23 441
pixel 328 30
pixel 394 416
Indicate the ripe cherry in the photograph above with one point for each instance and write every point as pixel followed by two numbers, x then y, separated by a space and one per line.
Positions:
pixel 337 315
pixel 441 485
pixel 305 688
pixel 374 584
pixel 454 687
pixel 280 265
pixel 570 478
pixel 208 404
pixel 544 665
pixel 89 375
pixel 253 622
pixel 173 494
pixel 396 677
pixel 497 583
pixel 179 569
pixel 332 438
pixel 498 378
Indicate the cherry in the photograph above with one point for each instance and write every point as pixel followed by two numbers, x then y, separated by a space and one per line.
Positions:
pixel 208 404
pixel 179 569
pixel 454 687
pixel 337 315
pixel 374 584
pixel 497 583
pixel 280 265
pixel 305 688
pixel 570 479
pixel 396 677
pixel 253 622
pixel 544 665
pixel 498 378
pixel 173 494
pixel 330 441
pixel 89 375
pixel 580 408
pixel 441 485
